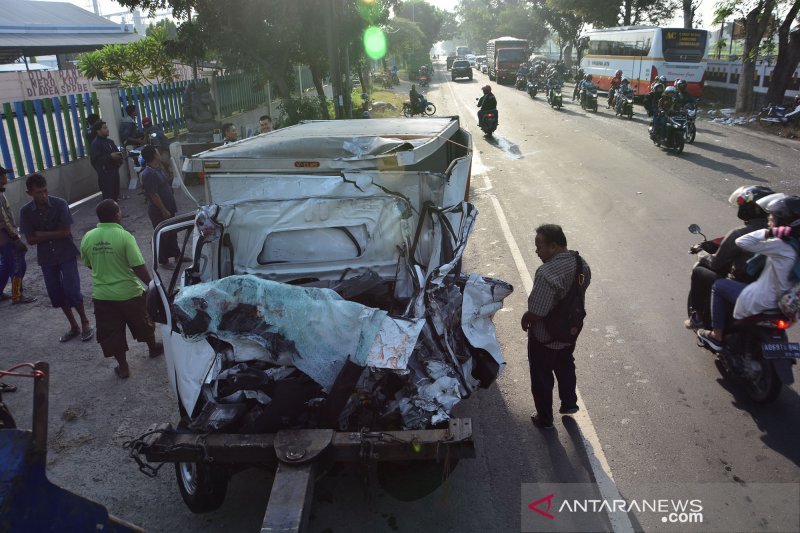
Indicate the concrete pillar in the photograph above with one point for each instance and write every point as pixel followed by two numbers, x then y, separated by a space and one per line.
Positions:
pixel 111 113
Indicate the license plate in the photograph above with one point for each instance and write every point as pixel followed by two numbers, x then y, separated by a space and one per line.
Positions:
pixel 781 350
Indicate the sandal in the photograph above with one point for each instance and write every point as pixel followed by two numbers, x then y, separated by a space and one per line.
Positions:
pixel 119 373
pixel 87 334
pixel 69 335
pixel 7 387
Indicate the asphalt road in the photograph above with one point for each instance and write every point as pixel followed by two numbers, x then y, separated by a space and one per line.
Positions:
pixel 654 407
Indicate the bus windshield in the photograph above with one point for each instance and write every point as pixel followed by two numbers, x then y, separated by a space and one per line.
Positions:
pixel 684 45
pixel 511 55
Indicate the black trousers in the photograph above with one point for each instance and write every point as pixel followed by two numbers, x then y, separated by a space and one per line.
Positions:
pixel 700 295
pixel 545 363
pixel 168 244
pixel 109 186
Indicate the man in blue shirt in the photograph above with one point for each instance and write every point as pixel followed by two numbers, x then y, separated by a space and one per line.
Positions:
pixel 160 205
pixel 45 221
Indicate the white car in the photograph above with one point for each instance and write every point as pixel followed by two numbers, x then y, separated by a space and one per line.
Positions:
pixel 325 288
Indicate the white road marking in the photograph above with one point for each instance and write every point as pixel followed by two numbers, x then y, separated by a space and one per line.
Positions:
pixel 620 522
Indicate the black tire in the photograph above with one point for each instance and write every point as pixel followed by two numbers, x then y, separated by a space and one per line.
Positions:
pixel 406 111
pixel 630 114
pixel 594 106
pixel 691 133
pixel 768 387
pixel 430 109
pixel 202 486
pixel 678 149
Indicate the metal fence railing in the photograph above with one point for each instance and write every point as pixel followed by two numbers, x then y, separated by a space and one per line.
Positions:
pixel 43 133
pixel 40 134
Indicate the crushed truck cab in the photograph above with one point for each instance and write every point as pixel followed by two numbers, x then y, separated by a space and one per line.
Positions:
pixel 324 297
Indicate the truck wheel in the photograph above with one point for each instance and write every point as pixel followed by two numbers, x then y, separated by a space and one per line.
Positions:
pixel 202 486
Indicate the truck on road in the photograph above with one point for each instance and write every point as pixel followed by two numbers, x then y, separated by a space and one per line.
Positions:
pixel 504 55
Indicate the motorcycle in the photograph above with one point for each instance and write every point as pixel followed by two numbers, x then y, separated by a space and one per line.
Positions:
pixel 533 87
pixel 554 96
pixel 755 350
pixel 780 114
pixel 521 83
pixel 674 139
pixel 427 111
pixel 489 122
pixel 691 129
pixel 624 103
pixel 589 97
pixel 423 80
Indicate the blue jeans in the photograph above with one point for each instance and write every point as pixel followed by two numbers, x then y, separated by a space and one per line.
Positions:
pixel 723 298
pixel 12 265
pixel 63 283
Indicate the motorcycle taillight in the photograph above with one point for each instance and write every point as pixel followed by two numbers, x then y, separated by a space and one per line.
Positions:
pixel 782 324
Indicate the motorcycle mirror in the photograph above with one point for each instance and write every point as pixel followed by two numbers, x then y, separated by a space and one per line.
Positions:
pixel 694 228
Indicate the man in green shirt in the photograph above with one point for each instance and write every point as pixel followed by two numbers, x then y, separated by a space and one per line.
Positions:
pixel 118 272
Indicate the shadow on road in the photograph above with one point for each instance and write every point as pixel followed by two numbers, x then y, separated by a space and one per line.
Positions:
pixel 774 419
pixel 731 153
pixel 716 165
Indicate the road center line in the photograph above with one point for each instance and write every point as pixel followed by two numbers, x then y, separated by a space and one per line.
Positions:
pixel 620 522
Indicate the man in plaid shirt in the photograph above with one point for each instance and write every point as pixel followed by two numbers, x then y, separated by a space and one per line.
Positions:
pixel 546 356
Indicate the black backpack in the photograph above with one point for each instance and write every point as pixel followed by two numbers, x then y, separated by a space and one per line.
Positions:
pixel 565 322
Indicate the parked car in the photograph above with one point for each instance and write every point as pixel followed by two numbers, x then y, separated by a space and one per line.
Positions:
pixel 461 69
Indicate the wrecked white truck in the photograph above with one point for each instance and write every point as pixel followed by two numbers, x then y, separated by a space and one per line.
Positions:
pixel 324 315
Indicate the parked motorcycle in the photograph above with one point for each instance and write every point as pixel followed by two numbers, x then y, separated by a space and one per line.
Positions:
pixel 522 82
pixel 554 96
pixel 755 350
pixel 427 111
pixel 533 87
pixel 624 102
pixel 674 138
pixel 589 97
pixel 780 114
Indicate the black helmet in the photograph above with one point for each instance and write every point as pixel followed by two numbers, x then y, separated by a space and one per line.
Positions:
pixel 680 84
pixel 785 211
pixel 588 77
pixel 745 198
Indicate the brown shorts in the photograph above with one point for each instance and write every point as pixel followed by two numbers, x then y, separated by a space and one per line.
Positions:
pixel 111 317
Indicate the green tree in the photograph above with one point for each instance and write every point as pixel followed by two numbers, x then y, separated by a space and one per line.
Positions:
pixel 757 16
pixel 481 20
pixel 168 25
pixel 141 62
pixel 427 17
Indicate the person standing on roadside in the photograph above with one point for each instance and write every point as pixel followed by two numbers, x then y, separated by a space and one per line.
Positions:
pixel 265 124
pixel 118 273
pixel 106 160
pixel 45 221
pixel 562 279
pixel 161 205
pixel 12 250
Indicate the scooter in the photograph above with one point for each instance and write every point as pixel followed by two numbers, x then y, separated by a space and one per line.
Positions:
pixel 589 97
pixel 521 83
pixel 624 103
pixel 674 138
pixel 489 122
pixel 691 129
pixel 554 97
pixel 755 350
pixel 533 87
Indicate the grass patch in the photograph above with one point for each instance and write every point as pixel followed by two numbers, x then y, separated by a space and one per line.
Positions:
pixel 395 98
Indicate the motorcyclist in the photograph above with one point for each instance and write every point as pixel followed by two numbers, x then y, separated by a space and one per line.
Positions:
pixel 486 103
pixel 651 99
pixel 522 70
pixel 665 108
pixel 624 87
pixel 395 79
pixel 616 81
pixel 418 102
pixel 423 73
pixel 775 279
pixel 586 84
pixel 683 97
pixel 726 260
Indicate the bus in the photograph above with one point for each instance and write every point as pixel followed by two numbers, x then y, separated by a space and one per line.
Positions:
pixel 462 51
pixel 645 52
